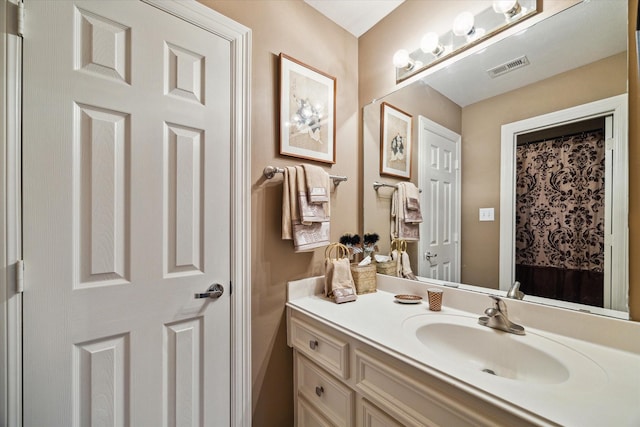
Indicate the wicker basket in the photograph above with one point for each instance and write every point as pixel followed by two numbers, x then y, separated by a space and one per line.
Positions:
pixel 364 277
pixel 389 268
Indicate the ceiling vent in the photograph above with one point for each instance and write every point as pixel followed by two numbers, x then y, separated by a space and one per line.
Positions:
pixel 514 64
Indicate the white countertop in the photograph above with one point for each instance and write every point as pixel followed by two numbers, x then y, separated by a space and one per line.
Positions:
pixel 610 397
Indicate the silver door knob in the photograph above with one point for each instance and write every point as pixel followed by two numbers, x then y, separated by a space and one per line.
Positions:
pixel 214 291
pixel 429 255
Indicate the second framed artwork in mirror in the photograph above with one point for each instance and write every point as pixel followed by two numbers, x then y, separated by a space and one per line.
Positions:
pixel 395 141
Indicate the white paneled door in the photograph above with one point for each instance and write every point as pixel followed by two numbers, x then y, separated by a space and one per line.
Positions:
pixel 127 123
pixel 439 248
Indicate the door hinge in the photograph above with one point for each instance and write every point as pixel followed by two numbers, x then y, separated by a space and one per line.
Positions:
pixel 21 19
pixel 608 240
pixel 19 276
pixel 609 144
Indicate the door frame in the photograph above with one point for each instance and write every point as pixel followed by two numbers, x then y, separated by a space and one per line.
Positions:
pixel 10 216
pixel 239 37
pixel 617 214
pixel 425 123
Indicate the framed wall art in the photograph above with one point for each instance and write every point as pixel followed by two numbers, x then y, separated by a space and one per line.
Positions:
pixel 395 141
pixel 307 112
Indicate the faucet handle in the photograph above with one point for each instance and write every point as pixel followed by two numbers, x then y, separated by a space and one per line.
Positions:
pixel 496 299
pixel 515 292
pixel 498 304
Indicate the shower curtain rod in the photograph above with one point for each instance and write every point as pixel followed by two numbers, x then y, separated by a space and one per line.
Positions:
pixel 582 132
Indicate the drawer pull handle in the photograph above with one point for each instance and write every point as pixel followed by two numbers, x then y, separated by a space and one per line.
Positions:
pixel 313 344
pixel 319 390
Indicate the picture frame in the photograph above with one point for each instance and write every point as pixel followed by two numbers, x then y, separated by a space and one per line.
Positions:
pixel 307 112
pixel 396 128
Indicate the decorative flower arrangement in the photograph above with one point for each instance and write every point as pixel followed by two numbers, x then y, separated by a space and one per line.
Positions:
pixel 364 246
pixel 353 243
pixel 370 241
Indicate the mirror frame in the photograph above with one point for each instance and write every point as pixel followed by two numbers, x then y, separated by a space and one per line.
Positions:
pixel 419 76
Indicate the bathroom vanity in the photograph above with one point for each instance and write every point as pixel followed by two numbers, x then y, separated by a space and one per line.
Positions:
pixel 377 362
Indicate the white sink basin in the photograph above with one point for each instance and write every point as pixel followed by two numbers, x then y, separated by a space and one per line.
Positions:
pixel 461 342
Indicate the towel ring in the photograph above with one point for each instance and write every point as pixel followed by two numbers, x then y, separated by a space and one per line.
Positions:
pixel 399 244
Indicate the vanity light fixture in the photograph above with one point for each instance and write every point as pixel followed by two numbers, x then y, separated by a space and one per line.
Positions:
pixel 509 8
pixel 467 31
pixel 402 60
pixel 430 43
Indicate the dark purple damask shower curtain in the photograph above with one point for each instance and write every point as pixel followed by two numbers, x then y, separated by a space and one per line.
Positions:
pixel 560 218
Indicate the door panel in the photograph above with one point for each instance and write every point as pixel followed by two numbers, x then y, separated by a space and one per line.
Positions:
pixel 439 246
pixel 126 201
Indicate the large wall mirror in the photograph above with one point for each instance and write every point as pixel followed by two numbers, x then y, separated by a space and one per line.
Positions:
pixel 571 59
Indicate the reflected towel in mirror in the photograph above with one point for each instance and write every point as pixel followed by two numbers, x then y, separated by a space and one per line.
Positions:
pixel 401 228
pixel 411 205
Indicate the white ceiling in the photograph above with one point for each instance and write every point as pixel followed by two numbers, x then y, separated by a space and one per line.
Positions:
pixel 355 16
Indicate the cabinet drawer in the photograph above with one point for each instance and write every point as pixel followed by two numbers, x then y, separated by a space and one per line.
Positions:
pixel 324 349
pixel 333 399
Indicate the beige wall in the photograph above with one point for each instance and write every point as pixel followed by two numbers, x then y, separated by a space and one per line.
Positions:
pixel 294 28
pixel 481 124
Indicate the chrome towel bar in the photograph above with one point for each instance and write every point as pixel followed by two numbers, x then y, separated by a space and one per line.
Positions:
pixel 271 171
pixel 377 185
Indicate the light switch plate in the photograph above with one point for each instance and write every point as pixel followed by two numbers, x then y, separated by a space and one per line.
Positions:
pixel 486 214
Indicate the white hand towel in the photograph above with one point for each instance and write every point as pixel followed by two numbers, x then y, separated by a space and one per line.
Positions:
pixel 406 267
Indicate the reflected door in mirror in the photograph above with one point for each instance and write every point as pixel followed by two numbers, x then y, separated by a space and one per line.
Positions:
pixel 439 181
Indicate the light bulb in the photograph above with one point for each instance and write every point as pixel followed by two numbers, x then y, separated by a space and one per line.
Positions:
pixel 476 34
pixel 401 59
pixel 509 8
pixel 463 24
pixel 430 43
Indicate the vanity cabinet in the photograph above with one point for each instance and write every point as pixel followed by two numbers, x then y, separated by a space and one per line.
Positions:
pixel 341 380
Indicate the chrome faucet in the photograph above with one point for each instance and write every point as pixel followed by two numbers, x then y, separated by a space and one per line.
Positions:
pixel 515 292
pixel 496 317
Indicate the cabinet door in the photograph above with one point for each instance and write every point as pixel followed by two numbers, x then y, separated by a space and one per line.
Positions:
pixel 309 416
pixel 370 416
